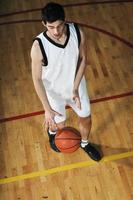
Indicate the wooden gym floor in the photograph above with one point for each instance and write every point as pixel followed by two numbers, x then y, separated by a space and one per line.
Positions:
pixel 29 169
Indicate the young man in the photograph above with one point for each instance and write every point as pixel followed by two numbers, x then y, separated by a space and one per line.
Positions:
pixel 58 64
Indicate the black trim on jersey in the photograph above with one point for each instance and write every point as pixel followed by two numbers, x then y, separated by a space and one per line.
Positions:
pixel 45 60
pixel 79 40
pixel 55 43
pixel 78 33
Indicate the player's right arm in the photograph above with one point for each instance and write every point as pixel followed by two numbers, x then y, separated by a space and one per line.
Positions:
pixel 36 64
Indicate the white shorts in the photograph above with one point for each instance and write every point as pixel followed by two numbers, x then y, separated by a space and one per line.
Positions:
pixel 60 104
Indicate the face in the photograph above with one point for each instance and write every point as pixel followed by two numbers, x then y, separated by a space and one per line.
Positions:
pixel 55 29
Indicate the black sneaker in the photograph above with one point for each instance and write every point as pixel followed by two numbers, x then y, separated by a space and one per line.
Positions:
pixel 52 142
pixel 92 152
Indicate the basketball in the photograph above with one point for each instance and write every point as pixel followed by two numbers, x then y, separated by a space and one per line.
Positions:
pixel 68 139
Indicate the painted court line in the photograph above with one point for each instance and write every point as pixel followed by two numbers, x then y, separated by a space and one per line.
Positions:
pixel 66 5
pixel 42 112
pixel 65 168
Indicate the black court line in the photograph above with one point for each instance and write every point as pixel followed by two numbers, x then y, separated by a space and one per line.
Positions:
pixel 129 44
pixel 67 5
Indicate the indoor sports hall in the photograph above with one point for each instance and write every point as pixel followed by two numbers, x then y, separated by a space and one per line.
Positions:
pixel 29 168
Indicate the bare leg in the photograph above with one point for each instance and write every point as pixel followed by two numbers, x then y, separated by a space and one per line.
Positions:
pixel 85 127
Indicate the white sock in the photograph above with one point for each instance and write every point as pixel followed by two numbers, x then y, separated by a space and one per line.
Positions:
pixel 52 132
pixel 84 143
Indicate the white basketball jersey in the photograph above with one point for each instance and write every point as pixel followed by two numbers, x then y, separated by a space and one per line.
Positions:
pixel 59 73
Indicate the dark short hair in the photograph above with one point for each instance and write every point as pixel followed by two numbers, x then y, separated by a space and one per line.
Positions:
pixel 52 12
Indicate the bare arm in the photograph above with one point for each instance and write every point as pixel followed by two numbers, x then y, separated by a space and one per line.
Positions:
pixel 82 61
pixel 81 68
pixel 36 63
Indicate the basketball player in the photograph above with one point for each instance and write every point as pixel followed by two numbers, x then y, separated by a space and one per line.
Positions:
pixel 58 64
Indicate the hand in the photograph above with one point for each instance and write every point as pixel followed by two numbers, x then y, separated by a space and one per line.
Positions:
pixel 49 119
pixel 76 98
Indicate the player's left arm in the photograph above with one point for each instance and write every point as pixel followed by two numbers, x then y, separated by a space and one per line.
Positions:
pixel 82 60
pixel 81 67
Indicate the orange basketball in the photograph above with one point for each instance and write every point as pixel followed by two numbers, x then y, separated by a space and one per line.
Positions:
pixel 68 140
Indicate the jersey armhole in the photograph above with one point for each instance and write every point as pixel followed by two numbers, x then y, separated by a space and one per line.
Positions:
pixel 45 60
pixel 78 33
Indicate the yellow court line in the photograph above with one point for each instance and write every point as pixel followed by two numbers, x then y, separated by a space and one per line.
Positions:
pixel 64 168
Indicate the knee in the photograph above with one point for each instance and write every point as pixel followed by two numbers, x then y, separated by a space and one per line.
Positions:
pixel 85 120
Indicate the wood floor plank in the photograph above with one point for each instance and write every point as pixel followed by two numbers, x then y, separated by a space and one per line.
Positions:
pixel 24 146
